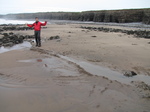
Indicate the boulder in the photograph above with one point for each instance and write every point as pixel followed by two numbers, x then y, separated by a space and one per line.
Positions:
pixel 10 44
pixel 5 34
pixel 130 74
pixel 11 33
pixel 54 37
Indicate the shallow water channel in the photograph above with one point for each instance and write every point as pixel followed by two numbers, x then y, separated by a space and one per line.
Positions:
pixel 95 70
pixel 25 44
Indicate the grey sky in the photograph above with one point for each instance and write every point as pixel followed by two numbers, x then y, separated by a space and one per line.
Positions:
pixel 22 6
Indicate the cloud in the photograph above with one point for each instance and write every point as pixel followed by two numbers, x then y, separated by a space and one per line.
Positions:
pixel 47 9
pixel 22 6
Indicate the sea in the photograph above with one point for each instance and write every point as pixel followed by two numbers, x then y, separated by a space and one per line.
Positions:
pixel 8 21
pixel 139 25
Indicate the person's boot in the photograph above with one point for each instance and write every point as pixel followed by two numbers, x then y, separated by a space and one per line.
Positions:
pixel 39 45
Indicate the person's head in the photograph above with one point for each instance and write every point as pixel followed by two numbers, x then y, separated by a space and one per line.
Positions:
pixel 36 19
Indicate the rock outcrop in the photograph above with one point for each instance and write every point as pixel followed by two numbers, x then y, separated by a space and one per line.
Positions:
pixel 10 39
pixel 6 27
pixel 136 33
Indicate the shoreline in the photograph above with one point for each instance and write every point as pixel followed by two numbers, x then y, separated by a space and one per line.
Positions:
pixel 139 25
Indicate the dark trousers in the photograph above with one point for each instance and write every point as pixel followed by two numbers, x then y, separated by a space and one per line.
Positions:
pixel 37 38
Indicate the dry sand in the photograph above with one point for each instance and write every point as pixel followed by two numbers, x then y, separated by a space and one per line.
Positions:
pixel 39 80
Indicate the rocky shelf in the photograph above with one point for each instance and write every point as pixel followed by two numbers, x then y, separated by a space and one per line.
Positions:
pixel 11 39
pixel 136 33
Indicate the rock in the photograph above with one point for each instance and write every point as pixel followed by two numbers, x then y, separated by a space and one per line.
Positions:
pixel 14 27
pixel 1 43
pixel 137 33
pixel 5 34
pixel 57 37
pixel 94 36
pixel 10 44
pixel 129 73
pixel 11 33
pixel 22 37
pixel 29 37
pixel 1 30
pixel 10 39
pixel 54 37
pixel 51 38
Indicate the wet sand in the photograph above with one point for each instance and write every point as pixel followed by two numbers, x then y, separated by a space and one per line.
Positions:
pixel 54 77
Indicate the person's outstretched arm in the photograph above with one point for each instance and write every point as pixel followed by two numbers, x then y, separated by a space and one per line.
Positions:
pixel 43 24
pixel 30 25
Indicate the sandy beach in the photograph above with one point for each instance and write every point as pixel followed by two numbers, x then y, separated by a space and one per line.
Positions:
pixel 82 71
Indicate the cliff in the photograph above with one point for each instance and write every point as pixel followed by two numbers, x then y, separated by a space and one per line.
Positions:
pixel 118 16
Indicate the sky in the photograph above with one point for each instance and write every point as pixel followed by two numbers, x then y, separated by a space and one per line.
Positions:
pixel 29 6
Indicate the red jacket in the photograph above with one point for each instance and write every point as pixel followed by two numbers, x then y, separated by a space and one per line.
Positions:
pixel 37 26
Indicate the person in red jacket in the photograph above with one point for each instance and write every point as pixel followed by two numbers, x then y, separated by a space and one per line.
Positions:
pixel 37 30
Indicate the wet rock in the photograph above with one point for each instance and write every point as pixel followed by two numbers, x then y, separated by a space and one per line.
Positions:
pixel 94 36
pixel 11 33
pixel 51 38
pixel 44 27
pixel 10 39
pixel 1 30
pixel 15 27
pixel 10 44
pixel 54 37
pixel 29 36
pixel 24 28
pixel 1 42
pixel 130 74
pixel 5 34
pixel 136 33
pixel 6 25
pixel 10 27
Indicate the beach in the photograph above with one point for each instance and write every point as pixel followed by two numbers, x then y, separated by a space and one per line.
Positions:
pixel 82 70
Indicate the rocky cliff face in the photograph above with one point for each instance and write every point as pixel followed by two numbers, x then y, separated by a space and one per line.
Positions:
pixel 118 16
pixel 146 17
